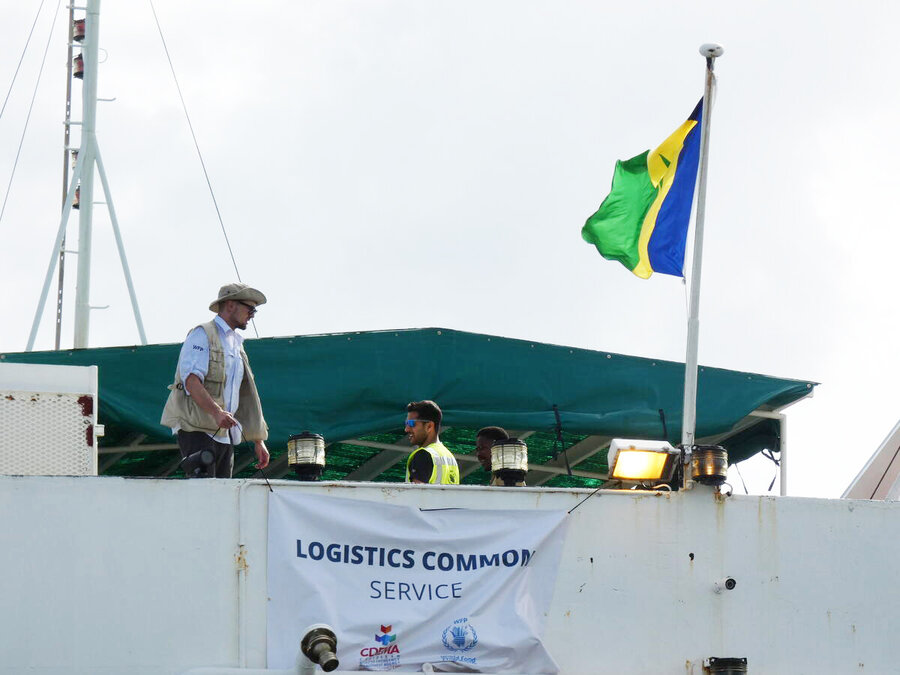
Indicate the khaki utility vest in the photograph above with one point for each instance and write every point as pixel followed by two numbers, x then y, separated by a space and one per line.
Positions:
pixel 445 471
pixel 182 411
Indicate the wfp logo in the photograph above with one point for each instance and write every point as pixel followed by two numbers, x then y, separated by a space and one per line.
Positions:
pixel 385 639
pixel 460 636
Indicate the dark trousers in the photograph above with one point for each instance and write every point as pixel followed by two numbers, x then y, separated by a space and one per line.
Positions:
pixel 190 442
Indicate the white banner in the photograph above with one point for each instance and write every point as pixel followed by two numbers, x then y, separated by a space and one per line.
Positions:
pixel 466 590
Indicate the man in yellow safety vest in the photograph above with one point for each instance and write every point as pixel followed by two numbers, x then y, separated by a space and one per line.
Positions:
pixel 430 461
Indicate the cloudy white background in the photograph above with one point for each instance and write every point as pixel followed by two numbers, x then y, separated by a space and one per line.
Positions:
pixel 422 163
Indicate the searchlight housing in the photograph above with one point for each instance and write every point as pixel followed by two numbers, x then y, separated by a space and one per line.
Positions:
pixel 640 461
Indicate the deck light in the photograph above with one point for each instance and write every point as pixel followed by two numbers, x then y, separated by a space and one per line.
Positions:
pixel 509 461
pixel 78 30
pixel 638 461
pixel 709 464
pixel 306 455
pixel 78 67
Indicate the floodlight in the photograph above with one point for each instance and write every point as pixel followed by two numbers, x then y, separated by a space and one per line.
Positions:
pixel 639 461
pixel 306 455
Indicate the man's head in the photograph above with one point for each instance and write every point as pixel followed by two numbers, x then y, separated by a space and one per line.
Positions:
pixel 237 304
pixel 483 442
pixel 423 422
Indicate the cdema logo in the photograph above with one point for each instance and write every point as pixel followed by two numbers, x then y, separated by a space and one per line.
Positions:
pixel 460 636
pixel 387 640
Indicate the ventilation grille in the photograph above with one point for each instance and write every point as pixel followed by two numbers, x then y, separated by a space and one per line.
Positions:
pixel 47 434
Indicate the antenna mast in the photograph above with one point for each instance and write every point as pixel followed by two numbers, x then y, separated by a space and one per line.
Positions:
pixel 83 179
pixel 89 52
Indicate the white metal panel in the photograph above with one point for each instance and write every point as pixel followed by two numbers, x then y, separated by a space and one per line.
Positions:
pixel 123 576
pixel 113 576
pixel 43 378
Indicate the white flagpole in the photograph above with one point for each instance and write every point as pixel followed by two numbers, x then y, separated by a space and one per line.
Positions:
pixel 689 423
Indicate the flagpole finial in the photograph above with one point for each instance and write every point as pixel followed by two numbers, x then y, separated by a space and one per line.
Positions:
pixel 711 50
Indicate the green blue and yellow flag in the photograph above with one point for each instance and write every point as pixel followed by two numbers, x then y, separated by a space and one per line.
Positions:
pixel 643 223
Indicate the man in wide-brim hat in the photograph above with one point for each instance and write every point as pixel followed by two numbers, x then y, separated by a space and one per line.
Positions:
pixel 213 404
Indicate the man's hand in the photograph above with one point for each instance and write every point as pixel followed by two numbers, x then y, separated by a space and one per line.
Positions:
pixel 223 419
pixel 262 454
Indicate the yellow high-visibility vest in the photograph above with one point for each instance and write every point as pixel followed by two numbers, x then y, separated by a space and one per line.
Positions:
pixel 445 471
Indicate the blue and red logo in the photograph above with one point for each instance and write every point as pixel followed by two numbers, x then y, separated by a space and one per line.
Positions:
pixel 386 639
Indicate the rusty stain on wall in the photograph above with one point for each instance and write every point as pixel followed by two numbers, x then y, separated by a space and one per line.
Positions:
pixel 240 559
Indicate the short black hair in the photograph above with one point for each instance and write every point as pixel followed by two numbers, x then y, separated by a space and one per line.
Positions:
pixel 428 411
pixel 494 433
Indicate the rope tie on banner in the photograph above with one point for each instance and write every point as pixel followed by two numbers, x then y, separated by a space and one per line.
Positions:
pixel 559 440
pixel 569 512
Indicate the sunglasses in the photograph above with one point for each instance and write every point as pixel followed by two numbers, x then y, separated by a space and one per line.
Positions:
pixel 251 310
pixel 412 423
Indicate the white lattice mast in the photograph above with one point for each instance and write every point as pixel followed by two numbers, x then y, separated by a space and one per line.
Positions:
pixel 83 179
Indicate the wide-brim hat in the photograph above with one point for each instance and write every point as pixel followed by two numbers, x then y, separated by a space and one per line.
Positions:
pixel 237 292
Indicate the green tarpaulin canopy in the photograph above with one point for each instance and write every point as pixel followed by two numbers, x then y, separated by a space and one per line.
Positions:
pixel 352 385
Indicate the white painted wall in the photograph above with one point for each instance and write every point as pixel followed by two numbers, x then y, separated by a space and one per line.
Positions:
pixel 128 576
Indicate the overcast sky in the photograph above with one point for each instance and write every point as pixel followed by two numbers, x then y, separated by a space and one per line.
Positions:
pixel 422 163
